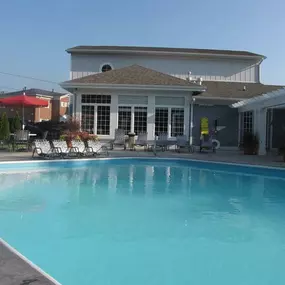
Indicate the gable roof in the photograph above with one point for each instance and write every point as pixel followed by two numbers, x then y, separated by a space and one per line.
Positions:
pixel 133 75
pixel 33 92
pixel 166 50
pixel 235 90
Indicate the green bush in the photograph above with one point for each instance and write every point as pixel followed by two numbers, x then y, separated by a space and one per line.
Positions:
pixel 17 122
pixel 5 127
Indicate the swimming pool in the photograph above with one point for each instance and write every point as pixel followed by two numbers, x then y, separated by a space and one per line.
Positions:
pixel 144 221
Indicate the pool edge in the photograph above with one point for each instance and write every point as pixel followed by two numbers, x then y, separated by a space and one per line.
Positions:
pixel 143 158
pixel 28 262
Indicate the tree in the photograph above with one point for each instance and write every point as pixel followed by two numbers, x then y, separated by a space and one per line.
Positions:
pixel 17 122
pixel 5 127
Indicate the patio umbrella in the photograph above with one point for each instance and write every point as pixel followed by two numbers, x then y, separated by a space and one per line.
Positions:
pixel 23 101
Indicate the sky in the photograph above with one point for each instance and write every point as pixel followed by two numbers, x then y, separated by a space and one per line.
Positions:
pixel 36 33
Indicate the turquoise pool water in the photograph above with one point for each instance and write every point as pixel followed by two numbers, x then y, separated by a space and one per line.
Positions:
pixel 144 222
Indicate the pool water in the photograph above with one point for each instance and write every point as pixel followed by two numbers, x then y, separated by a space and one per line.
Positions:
pixel 136 222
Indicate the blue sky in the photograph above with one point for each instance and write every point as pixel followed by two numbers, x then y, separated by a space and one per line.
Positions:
pixel 35 33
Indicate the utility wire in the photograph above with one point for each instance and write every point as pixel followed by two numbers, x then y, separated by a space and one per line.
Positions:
pixel 28 77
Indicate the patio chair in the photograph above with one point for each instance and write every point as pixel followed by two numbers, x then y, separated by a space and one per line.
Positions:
pixel 79 146
pixel 97 148
pixel 119 139
pixel 64 150
pixel 183 143
pixel 162 141
pixel 21 138
pixel 141 140
pixel 45 150
pixel 206 143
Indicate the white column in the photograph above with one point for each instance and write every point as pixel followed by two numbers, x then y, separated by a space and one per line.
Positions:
pixel 151 117
pixel 260 129
pixel 169 123
pixel 113 115
pixel 188 100
pixel 132 119
pixel 77 110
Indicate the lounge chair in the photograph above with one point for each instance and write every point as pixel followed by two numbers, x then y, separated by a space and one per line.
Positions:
pixel 119 139
pixel 206 143
pixel 141 140
pixel 162 141
pixel 81 149
pixel 45 150
pixel 183 143
pixel 97 148
pixel 64 150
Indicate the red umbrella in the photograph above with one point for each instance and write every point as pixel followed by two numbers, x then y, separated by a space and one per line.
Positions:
pixel 23 101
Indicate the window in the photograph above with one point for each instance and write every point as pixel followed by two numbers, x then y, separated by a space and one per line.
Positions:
pixel 103 120
pixel 87 118
pixel 161 120
pixel 106 67
pixel 177 122
pixel 63 104
pixel 140 124
pixel 246 124
pixel 124 118
pixel 96 99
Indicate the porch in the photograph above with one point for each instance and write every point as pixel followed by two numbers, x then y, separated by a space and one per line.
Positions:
pixel 256 116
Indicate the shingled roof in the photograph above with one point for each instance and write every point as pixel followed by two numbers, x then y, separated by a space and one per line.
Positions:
pixel 133 49
pixel 133 75
pixel 236 90
pixel 34 92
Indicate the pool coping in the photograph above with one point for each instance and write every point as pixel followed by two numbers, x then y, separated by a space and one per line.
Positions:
pixel 143 158
pixel 28 262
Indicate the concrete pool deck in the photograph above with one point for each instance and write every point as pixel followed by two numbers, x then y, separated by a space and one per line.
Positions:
pixel 232 156
pixel 15 270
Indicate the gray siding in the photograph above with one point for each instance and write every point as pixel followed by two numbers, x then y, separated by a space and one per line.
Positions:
pixel 278 128
pixel 209 69
pixel 225 115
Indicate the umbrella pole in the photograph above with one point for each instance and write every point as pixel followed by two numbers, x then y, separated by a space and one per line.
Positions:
pixel 23 118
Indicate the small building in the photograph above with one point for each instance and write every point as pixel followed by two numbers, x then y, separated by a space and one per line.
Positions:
pixel 58 105
pixel 152 89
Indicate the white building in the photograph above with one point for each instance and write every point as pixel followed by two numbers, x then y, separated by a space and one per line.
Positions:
pixel 151 89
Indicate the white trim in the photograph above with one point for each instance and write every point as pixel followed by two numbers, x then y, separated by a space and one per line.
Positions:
pixel 168 53
pixel 267 100
pixel 26 260
pixel 105 63
pixel 132 87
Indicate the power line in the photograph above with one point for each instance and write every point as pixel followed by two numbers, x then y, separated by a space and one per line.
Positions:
pixel 28 77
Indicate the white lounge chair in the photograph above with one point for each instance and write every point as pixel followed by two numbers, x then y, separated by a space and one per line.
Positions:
pixel 81 149
pixel 97 148
pixel 64 150
pixel 45 150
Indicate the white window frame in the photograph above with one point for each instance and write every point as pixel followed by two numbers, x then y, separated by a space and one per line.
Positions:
pixel 96 111
pixel 132 113
pixel 169 116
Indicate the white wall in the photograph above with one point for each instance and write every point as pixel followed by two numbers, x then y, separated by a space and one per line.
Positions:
pixel 209 69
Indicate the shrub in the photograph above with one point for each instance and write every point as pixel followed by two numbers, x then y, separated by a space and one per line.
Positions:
pixel 5 127
pixel 17 122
